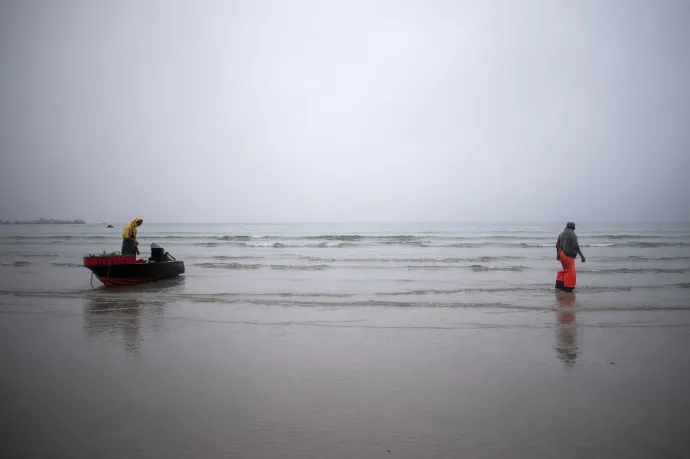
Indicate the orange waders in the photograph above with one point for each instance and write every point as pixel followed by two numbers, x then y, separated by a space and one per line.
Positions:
pixel 567 276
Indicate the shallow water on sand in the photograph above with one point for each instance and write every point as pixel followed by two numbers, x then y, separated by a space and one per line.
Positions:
pixel 348 341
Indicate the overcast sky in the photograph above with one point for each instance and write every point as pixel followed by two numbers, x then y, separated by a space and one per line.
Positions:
pixel 259 110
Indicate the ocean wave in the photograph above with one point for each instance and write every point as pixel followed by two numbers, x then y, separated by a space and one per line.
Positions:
pixel 634 270
pixel 416 266
pixel 424 298
pixel 475 267
pixel 652 245
pixel 528 245
pixel 532 245
pixel 66 265
pixel 348 241
pixel 334 237
pixel 420 303
pixel 268 245
pixel 312 295
pixel 239 297
pixel 325 245
pixel 532 288
pixel 463 245
pixel 228 238
pixel 495 258
pixel 321 237
pixel 241 238
pixel 16 264
pixel 284 300
pixel 300 267
pixel 644 258
pixel 509 289
pixel 362 237
pixel 283 245
pixel 482 268
pixel 228 257
pixel 55 237
pixel 484 259
pixel 622 237
pixel 310 258
pixel 410 243
pixel 378 303
pixel 513 237
pixel 227 266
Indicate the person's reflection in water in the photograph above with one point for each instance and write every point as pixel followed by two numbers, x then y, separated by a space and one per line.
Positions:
pixel 108 317
pixel 566 348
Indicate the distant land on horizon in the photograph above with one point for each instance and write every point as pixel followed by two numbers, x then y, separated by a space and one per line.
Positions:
pixel 44 221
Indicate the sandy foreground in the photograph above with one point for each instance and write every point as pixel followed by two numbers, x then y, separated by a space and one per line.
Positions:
pixel 120 378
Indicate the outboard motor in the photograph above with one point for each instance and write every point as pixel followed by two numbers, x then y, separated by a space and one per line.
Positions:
pixel 157 253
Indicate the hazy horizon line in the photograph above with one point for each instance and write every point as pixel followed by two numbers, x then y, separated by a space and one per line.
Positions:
pixel 355 222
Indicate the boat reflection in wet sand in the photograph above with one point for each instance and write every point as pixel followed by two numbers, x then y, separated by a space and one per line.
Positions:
pixel 115 269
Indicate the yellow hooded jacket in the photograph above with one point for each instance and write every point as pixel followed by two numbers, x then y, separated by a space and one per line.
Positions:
pixel 130 231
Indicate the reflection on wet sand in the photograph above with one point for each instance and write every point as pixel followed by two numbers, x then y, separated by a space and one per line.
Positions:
pixel 127 313
pixel 112 316
pixel 566 347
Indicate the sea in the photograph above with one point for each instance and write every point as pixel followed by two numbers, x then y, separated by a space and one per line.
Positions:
pixel 348 340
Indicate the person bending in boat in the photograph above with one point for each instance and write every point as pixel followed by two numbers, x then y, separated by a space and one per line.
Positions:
pixel 130 245
pixel 567 249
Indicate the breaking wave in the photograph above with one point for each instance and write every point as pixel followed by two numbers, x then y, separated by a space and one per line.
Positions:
pixel 227 265
pixel 234 238
pixel 357 240
pixel 331 237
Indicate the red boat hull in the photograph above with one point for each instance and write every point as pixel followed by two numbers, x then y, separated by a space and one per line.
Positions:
pixel 127 270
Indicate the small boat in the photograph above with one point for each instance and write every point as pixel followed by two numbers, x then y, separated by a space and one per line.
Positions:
pixel 116 269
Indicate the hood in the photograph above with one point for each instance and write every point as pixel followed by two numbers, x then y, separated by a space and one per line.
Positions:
pixel 570 225
pixel 134 222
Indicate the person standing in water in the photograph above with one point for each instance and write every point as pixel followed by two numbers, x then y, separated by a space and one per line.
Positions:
pixel 567 249
pixel 130 245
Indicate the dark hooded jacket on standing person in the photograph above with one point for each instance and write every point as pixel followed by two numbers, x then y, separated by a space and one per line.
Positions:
pixel 567 241
pixel 130 246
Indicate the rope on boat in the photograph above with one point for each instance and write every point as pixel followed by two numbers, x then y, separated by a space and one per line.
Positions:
pixel 107 275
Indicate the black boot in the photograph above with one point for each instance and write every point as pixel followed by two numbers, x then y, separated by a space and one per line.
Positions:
pixel 568 289
pixel 559 285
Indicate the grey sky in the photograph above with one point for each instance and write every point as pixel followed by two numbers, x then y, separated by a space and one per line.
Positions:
pixel 360 110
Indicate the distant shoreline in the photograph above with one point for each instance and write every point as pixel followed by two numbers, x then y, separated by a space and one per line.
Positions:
pixel 44 221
